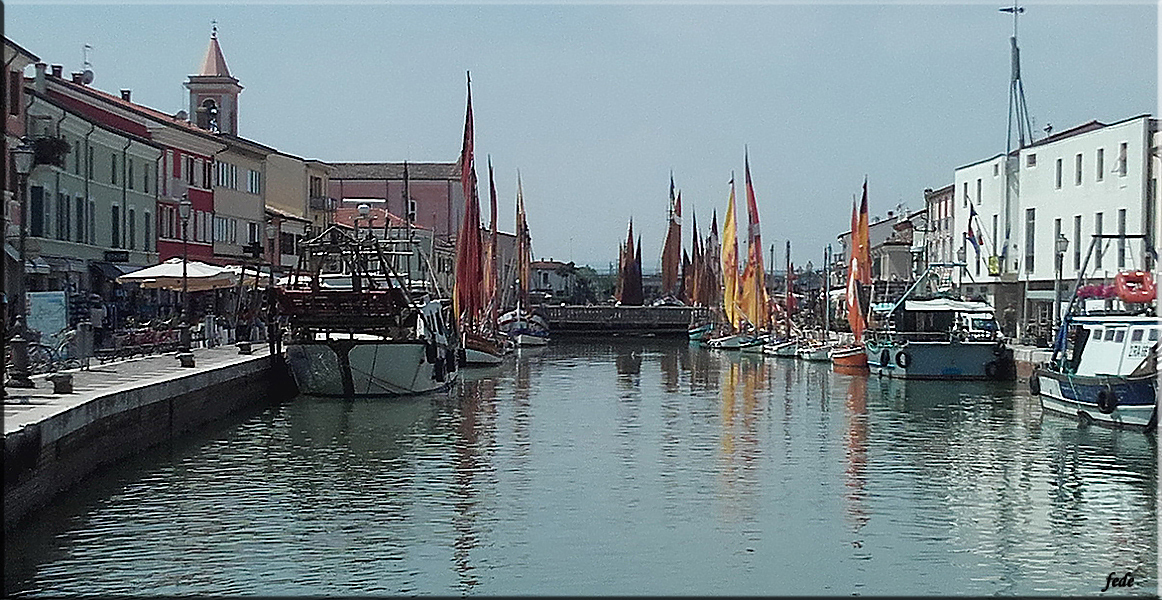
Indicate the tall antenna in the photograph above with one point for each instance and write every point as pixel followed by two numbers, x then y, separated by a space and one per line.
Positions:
pixel 1019 113
pixel 1017 110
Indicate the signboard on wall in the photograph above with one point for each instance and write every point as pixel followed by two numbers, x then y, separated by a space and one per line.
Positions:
pixel 48 313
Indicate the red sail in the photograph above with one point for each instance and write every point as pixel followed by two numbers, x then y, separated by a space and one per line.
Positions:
pixel 467 296
pixel 672 248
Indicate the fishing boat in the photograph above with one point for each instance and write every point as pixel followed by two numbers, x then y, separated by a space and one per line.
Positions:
pixel 1104 367
pixel 785 348
pixel 815 351
pixel 378 336
pixel 852 357
pixel 734 341
pixel 698 333
pixel 523 326
pixel 939 338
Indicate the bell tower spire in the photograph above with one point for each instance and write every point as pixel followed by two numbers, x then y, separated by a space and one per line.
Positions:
pixel 213 91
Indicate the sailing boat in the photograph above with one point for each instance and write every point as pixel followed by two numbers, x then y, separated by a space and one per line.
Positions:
pixel 522 325
pixel 852 356
pixel 732 337
pixel 752 286
pixel 469 298
pixel 672 253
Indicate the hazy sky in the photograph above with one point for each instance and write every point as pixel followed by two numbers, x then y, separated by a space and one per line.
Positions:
pixel 596 104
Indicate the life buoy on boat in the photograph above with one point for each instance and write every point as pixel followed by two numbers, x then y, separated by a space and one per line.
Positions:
pixel 903 359
pixel 1034 384
pixel 1134 287
pixel 1107 401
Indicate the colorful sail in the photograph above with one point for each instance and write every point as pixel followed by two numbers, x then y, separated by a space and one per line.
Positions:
pixel 672 248
pixel 692 276
pixel 753 289
pixel 859 269
pixel 492 256
pixel 524 247
pixel 712 264
pixel 468 296
pixel 730 265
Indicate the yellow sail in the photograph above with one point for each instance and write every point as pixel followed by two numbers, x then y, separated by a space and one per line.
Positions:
pixel 730 264
pixel 752 288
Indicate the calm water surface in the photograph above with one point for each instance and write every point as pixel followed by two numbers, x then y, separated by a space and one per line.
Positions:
pixel 619 467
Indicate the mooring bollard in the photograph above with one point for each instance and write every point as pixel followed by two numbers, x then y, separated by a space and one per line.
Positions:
pixel 245 348
pixel 187 358
pixel 62 383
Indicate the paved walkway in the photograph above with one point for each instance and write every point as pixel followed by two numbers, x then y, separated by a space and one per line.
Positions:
pixel 23 406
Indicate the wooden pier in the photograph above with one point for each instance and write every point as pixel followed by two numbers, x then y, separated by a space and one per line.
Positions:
pixel 636 320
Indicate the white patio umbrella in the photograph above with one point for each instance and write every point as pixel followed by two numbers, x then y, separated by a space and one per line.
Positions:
pixel 168 275
pixel 263 277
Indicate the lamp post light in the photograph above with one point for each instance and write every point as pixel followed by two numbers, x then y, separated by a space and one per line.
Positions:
pixel 1060 246
pixel 184 213
pixel 22 160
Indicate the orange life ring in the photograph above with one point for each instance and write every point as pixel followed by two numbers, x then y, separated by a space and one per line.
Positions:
pixel 1134 286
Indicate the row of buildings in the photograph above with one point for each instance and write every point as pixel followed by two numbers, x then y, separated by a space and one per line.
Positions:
pixel 105 193
pixel 1033 213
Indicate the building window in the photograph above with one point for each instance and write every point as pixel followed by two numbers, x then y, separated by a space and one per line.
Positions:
pixel 36 211
pixel 90 162
pixel 1030 160
pixel 1030 228
pixel 966 193
pixel 1077 170
pixel 316 188
pixel 129 177
pixel 996 169
pixel 92 214
pixel 1058 179
pixel 115 228
pixel 233 231
pixel 1122 159
pixel 995 234
pixel 77 159
pixel 978 192
pixel 132 229
pixel 253 181
pixel 15 81
pixel 113 169
pixel 1101 164
pixel 62 216
pixel 1076 242
pixel 207 175
pixel 145 178
pixel 79 205
pixel 1121 238
pixel 251 232
pixel 147 239
pixel 1097 218
pixel 191 176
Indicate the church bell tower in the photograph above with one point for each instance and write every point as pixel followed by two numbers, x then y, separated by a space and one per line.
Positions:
pixel 214 92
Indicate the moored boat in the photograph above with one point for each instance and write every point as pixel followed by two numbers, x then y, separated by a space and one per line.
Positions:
pixel 1104 367
pixel 851 357
pixel 375 338
pixel 783 348
pixel 815 352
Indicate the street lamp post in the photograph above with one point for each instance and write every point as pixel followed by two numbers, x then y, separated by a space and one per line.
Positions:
pixel 184 213
pixel 22 158
pixel 1060 246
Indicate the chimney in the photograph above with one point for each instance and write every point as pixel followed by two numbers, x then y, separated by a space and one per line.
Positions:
pixel 77 77
pixel 57 70
pixel 39 82
pixel 125 95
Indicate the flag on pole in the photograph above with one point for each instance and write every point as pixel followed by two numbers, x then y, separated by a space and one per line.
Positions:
pixel 972 236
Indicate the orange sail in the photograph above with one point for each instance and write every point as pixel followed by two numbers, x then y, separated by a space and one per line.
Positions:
pixel 468 296
pixel 672 248
pixel 491 257
pixel 753 296
pixel 524 247
pixel 859 269
pixel 730 265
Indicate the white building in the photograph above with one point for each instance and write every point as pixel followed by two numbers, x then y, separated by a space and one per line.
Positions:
pixel 1090 179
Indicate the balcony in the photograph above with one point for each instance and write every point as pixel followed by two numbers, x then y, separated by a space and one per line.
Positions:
pixel 322 203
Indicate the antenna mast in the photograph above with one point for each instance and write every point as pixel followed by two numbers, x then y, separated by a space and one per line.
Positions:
pixel 1019 113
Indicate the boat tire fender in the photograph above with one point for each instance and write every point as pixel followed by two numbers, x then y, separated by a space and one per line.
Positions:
pixel 431 352
pixel 991 369
pixel 999 349
pixel 438 370
pixel 1107 401
pixel 885 358
pixel 1034 384
pixel 903 359
pixel 450 360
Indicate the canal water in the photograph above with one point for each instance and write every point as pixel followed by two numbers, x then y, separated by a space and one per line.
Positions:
pixel 614 466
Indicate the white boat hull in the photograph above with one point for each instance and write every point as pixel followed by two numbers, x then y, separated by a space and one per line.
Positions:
pixel 364 368
pixel 474 357
pixel 525 340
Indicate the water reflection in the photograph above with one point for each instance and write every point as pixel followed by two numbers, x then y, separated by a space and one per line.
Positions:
pixel 620 466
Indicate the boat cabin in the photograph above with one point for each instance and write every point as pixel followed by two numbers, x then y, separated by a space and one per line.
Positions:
pixel 941 316
pixel 1109 346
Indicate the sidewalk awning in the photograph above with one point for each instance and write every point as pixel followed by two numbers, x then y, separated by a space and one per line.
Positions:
pixel 112 270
